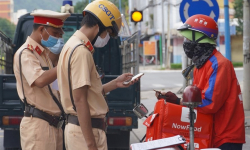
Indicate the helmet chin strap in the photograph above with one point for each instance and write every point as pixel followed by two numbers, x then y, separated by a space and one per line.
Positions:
pixel 101 29
pixel 198 40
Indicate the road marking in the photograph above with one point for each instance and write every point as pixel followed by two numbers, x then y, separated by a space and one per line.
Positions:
pixel 160 71
pixel 238 68
pixel 178 84
pixel 158 85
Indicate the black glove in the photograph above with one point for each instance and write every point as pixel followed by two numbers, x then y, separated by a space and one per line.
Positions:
pixel 169 97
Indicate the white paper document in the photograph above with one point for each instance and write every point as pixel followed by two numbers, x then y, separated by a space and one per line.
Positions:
pixel 157 144
pixel 55 85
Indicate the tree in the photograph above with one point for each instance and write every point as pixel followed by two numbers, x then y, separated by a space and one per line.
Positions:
pixel 79 7
pixel 7 27
pixel 238 7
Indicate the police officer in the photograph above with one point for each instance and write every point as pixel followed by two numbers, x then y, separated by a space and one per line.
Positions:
pixel 79 82
pixel 34 72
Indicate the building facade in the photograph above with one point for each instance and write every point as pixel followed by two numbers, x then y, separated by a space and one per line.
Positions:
pixel 6 9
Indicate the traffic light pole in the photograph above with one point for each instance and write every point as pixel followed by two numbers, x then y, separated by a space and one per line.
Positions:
pixel 163 36
pixel 246 53
pixel 168 42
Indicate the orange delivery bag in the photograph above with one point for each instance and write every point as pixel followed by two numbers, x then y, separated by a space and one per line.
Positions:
pixel 171 119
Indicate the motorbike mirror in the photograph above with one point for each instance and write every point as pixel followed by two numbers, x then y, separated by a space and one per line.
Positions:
pixel 140 111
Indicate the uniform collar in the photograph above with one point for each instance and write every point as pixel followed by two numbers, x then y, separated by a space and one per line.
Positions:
pixel 85 41
pixel 33 45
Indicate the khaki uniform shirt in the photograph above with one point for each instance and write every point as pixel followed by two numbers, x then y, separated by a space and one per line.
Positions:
pixel 32 59
pixel 83 73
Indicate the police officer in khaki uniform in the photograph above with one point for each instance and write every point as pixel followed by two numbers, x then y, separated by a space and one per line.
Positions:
pixel 40 128
pixel 79 82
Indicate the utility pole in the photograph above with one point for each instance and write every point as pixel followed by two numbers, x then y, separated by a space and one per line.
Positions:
pixel 163 36
pixel 131 8
pixel 227 30
pixel 246 54
pixel 168 42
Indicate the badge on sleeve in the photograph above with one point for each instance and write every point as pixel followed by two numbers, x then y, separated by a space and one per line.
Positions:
pixel 88 45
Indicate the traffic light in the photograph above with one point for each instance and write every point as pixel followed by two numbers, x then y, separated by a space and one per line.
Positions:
pixel 136 16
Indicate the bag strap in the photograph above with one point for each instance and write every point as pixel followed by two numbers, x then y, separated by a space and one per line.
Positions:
pixel 69 72
pixel 57 102
pixel 21 73
pixel 51 93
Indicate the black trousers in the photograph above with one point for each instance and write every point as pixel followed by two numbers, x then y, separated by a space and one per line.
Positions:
pixel 231 146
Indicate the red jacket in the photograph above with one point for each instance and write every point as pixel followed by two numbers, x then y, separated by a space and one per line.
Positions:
pixel 221 96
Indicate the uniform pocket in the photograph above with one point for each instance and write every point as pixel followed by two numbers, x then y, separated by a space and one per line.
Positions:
pixel 98 75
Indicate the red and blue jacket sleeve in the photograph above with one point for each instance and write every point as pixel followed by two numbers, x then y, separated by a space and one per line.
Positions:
pixel 217 86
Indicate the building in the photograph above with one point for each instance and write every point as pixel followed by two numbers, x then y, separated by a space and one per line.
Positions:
pixel 18 14
pixel 6 9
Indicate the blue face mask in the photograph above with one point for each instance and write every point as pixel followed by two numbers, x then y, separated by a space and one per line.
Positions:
pixel 50 42
pixel 56 49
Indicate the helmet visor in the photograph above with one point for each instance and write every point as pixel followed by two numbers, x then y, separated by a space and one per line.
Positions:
pixel 124 31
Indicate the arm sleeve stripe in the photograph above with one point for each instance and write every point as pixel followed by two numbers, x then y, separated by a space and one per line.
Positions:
pixel 209 92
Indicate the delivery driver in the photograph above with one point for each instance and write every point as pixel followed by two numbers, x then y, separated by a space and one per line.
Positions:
pixel 79 83
pixel 40 127
pixel 214 75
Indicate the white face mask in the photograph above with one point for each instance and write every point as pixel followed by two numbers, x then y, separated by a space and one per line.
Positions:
pixel 101 42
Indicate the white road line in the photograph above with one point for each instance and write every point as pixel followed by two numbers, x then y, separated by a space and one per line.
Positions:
pixel 160 71
pixel 164 71
pixel 178 84
pixel 238 68
pixel 158 85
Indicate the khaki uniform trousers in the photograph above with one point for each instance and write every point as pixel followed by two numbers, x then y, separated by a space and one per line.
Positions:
pixel 37 134
pixel 74 139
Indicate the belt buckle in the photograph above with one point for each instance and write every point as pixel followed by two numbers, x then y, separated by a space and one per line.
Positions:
pixel 60 122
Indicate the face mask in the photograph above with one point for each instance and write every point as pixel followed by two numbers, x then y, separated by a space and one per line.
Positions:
pixel 56 49
pixel 189 47
pixel 100 42
pixel 50 42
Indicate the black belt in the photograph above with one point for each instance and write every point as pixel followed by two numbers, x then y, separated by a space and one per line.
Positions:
pixel 52 120
pixel 99 123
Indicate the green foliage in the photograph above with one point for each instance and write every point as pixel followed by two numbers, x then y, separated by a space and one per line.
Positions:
pixel 237 64
pixel 80 5
pixel 238 6
pixel 176 66
pixel 7 27
pixel 31 5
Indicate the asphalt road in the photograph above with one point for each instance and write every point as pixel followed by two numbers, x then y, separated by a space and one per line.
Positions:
pixel 165 81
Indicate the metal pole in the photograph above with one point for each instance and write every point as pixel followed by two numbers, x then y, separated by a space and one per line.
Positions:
pixel 227 30
pixel 168 42
pixel 191 128
pixel 132 5
pixel 246 53
pixel 160 50
pixel 120 6
pixel 163 36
